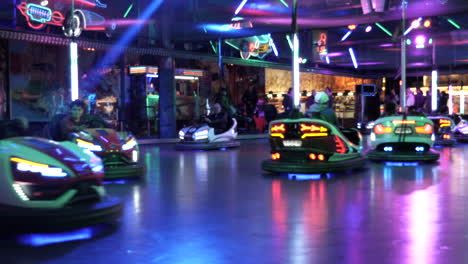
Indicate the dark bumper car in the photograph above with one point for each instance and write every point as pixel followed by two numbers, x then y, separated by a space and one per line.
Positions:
pixel 312 146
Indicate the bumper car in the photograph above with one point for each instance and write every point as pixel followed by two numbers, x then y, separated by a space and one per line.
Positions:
pixel 49 186
pixel 203 137
pixel 443 127
pixel 311 146
pixel 119 151
pixel 460 131
pixel 400 138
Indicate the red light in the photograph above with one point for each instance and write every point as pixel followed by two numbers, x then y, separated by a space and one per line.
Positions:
pixel 321 157
pixel 352 27
pixel 427 23
pixel 275 156
pixel 340 146
pixel 426 129
pixel 312 156
pixel 446 136
pixel 251 47
pixel 380 129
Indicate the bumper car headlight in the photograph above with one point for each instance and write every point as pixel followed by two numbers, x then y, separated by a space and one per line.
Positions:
pixel 181 134
pixel 129 145
pixel 88 145
pixel 94 161
pixel 25 166
pixel 200 135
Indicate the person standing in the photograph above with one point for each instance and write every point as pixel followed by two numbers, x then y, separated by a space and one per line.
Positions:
pixel 288 101
pixel 331 99
pixel 310 100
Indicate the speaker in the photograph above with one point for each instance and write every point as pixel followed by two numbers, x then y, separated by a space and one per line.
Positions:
pixel 371 6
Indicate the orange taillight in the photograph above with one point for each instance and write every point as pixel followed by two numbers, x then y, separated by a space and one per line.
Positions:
pixel 321 157
pixel 312 156
pixel 275 156
pixel 278 128
pixel 426 129
pixel 381 129
pixel 446 136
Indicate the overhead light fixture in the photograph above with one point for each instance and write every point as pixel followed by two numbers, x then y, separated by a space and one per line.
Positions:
pixel 415 24
pixel 368 28
pixel 384 29
pixel 239 8
pixel 453 23
pixel 420 41
pixel 353 57
pixel 352 27
pixel 346 35
pixel 427 23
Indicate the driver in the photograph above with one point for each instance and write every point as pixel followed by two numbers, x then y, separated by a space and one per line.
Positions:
pixel 77 120
pixel 321 110
pixel 218 120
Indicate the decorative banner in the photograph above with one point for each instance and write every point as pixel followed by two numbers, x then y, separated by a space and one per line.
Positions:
pixel 320 51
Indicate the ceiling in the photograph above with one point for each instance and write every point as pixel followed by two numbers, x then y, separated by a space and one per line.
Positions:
pixel 376 52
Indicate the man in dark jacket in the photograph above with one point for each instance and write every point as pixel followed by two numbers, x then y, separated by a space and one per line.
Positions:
pixel 321 110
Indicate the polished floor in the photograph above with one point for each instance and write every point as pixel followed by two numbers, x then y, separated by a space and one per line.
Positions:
pixel 219 207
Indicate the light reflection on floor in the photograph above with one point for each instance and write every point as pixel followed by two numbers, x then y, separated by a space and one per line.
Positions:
pixel 219 207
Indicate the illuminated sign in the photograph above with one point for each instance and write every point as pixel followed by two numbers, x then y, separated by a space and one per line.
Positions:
pixel 255 46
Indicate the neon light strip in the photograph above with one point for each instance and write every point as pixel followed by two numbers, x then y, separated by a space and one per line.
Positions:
pixel 284 3
pixel 306 135
pixel 232 45
pixel 296 73
pixel 273 46
pixel 353 57
pixel 213 47
pixel 74 71
pixel 289 42
pixel 453 23
pixel 239 8
pixel 434 90
pixel 346 35
pixel 128 10
pixel 450 102
pixel 462 102
pixel 96 28
pixel 86 3
pixel 383 29
pixel 327 59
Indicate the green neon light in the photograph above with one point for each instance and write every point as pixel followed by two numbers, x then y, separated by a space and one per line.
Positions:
pixel 453 23
pixel 289 42
pixel 128 10
pixel 284 3
pixel 232 45
pixel 430 41
pixel 384 29
pixel 304 60
pixel 204 29
pixel 408 41
pixel 213 47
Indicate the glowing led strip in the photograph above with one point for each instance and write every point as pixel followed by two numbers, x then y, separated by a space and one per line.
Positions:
pixel 306 135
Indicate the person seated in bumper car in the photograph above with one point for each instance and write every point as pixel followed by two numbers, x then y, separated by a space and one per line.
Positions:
pixel 218 120
pixel 320 109
pixel 75 121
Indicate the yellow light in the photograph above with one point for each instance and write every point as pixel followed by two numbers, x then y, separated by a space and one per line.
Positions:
pixel 426 129
pixel 380 129
pixel 278 128
pixel 83 142
pixel 18 160
pixel 277 135
pixel 306 135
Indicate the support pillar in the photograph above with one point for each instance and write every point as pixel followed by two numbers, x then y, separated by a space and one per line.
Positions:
pixel 403 57
pixel 167 87
pixel 123 91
